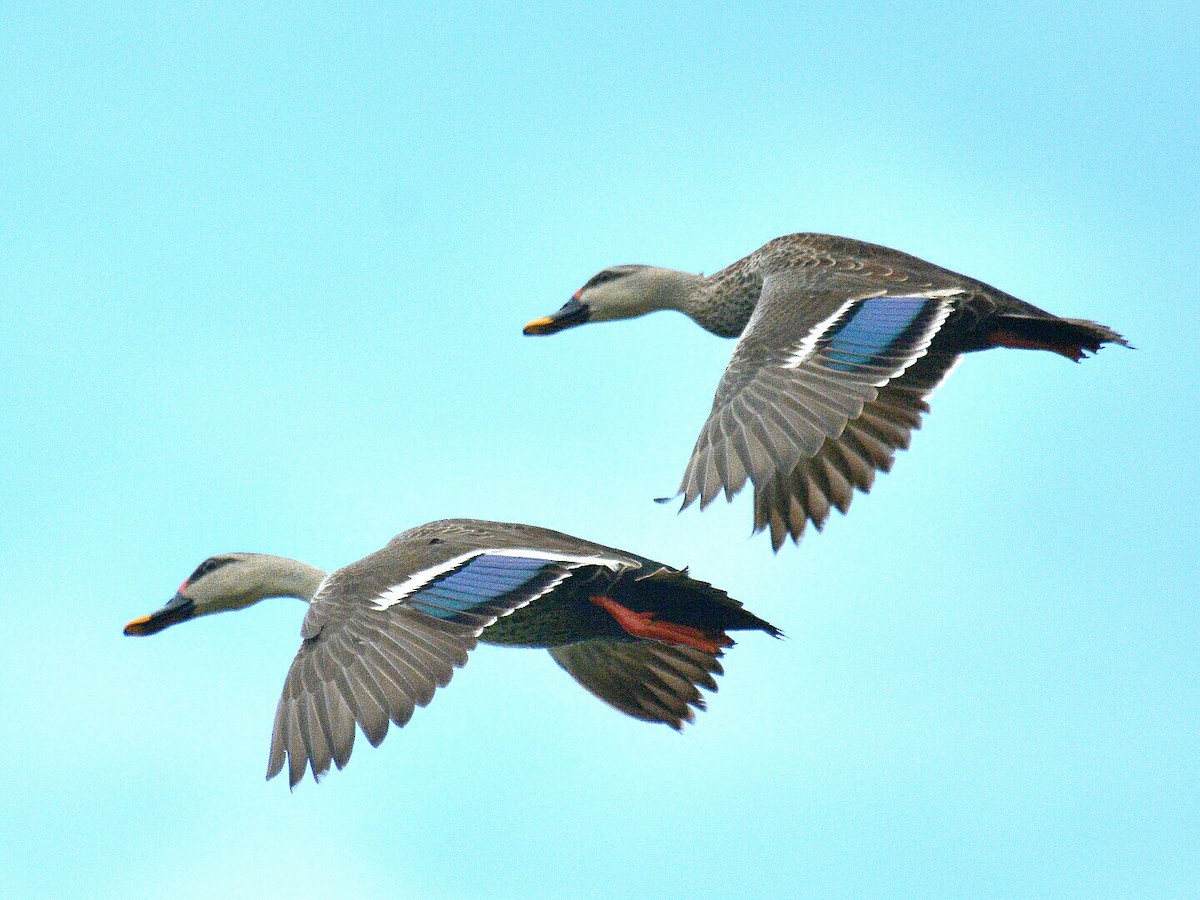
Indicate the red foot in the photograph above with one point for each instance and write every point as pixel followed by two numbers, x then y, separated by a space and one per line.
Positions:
pixel 644 625
pixel 1017 342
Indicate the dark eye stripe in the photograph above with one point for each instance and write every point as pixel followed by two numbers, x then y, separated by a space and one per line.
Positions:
pixel 210 564
pixel 602 277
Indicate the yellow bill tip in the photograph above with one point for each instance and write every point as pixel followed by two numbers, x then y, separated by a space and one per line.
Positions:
pixel 539 326
pixel 137 626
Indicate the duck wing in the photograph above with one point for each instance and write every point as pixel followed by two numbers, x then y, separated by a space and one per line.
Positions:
pixel 649 680
pixel 379 639
pixel 786 502
pixel 814 354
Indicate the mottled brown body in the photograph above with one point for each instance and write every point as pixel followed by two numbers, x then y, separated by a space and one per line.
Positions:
pixel 819 393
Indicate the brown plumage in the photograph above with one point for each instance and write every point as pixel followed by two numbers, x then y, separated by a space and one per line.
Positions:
pixel 840 344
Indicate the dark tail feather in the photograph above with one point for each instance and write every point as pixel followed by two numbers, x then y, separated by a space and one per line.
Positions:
pixel 1072 338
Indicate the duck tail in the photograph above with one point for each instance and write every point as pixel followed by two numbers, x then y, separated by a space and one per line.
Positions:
pixel 1072 338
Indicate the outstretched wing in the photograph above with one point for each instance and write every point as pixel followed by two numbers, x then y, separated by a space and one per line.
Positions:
pixel 786 502
pixel 651 681
pixel 811 357
pixel 370 656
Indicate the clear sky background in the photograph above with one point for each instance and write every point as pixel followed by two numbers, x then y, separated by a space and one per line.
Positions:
pixel 263 274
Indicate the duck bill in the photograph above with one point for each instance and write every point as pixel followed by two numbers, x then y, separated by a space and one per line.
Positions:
pixel 179 609
pixel 572 313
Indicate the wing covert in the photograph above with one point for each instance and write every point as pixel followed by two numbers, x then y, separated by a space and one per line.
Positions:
pixel 807 363
pixel 788 501
pixel 370 660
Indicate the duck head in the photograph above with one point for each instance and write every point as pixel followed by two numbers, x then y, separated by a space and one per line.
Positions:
pixel 228 582
pixel 619 292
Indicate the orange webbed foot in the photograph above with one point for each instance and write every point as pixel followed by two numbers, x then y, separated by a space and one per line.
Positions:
pixel 644 625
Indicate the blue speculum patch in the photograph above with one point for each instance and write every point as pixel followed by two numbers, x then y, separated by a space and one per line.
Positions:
pixel 875 326
pixel 477 582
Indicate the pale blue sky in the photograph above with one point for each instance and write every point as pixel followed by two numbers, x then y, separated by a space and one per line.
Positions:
pixel 263 275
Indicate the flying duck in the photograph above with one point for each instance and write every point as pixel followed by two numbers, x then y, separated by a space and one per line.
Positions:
pixel 383 633
pixel 840 343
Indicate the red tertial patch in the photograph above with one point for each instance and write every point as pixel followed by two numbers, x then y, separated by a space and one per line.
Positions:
pixel 644 625
pixel 1018 342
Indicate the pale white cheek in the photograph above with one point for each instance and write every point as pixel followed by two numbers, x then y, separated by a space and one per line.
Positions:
pixel 228 603
pixel 610 311
pixel 603 314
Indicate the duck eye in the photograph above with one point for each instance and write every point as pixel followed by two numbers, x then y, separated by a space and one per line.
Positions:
pixel 601 278
pixel 213 562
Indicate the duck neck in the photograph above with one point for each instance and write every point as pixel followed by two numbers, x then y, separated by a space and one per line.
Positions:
pixel 278 576
pixel 677 290
pixel 685 292
pixel 711 302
